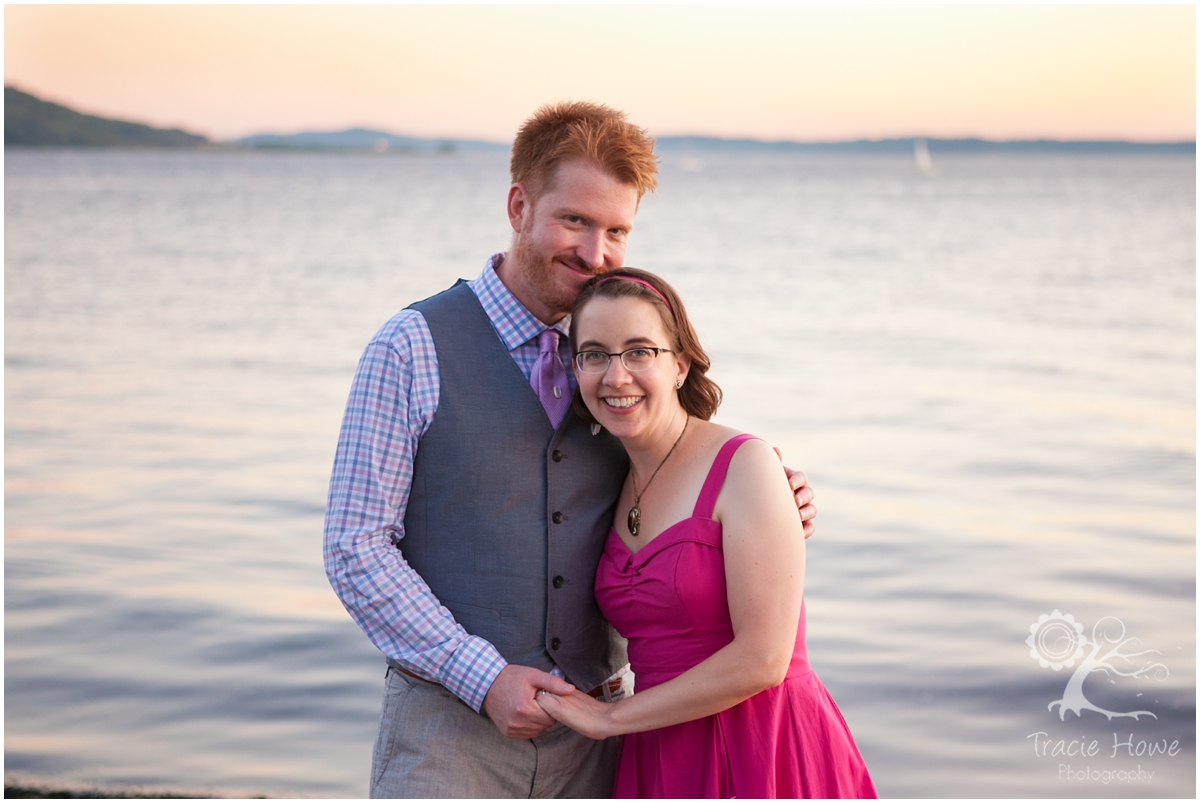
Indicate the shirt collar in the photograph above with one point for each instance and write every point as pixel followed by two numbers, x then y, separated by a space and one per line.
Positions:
pixel 513 323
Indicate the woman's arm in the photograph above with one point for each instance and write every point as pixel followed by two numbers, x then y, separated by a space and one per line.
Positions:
pixel 763 541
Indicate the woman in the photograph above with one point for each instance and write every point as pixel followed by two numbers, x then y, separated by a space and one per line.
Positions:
pixel 703 573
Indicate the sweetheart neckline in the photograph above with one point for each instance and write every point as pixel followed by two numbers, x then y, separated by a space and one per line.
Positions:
pixel 631 555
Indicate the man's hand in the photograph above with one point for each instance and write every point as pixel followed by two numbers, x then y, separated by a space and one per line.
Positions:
pixel 510 701
pixel 804 496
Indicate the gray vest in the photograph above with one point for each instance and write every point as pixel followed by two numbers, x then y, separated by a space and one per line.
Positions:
pixel 507 517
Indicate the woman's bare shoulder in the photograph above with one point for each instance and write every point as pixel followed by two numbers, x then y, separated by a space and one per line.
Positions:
pixel 754 471
pixel 719 434
pixel 755 456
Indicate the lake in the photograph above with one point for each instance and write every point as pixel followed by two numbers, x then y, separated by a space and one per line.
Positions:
pixel 988 375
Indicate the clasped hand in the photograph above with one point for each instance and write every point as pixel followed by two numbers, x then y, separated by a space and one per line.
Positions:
pixel 510 701
pixel 523 702
pixel 579 712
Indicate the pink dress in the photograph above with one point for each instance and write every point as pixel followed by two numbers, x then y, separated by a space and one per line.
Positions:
pixel 669 601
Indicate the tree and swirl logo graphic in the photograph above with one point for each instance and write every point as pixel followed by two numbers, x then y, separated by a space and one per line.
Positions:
pixel 1056 641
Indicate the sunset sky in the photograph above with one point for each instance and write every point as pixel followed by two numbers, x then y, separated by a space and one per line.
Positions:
pixel 798 72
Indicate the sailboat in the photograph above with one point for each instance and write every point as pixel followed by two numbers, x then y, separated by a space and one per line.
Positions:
pixel 923 159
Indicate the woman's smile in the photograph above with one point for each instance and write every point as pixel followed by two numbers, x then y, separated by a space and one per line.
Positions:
pixel 621 402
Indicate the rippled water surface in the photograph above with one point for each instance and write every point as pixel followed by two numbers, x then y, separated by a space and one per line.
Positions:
pixel 988 375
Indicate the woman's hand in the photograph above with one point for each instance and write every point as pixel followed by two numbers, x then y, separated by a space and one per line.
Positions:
pixel 579 712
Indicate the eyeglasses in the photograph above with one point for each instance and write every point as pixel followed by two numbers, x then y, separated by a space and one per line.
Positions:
pixel 635 359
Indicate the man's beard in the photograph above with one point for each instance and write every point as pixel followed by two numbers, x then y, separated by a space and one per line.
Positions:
pixel 538 269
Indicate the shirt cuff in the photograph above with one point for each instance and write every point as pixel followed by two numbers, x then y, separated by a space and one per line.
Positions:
pixel 473 670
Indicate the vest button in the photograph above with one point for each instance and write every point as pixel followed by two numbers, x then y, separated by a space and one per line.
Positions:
pixel 555 643
pixel 558 581
pixel 556 456
pixel 557 518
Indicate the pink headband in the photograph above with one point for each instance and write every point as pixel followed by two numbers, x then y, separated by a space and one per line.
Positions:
pixel 643 283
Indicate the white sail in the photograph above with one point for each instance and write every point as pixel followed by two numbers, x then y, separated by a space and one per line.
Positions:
pixel 923 159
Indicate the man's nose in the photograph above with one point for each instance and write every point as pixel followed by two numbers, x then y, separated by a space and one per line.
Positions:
pixel 596 251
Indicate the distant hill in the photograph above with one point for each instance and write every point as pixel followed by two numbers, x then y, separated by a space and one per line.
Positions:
pixel 30 121
pixel 33 122
pixel 361 139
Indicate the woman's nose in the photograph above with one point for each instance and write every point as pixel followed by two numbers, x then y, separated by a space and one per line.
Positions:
pixel 616 374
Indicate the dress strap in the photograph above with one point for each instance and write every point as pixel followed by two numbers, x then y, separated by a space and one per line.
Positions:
pixel 716 476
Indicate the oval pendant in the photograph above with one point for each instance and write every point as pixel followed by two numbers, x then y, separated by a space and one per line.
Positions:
pixel 635 520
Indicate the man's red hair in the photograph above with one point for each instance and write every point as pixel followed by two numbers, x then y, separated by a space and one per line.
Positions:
pixel 560 132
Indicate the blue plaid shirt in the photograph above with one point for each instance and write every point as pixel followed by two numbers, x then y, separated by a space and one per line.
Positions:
pixel 392 402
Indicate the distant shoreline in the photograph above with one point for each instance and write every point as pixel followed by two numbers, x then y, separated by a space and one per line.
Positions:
pixel 906 146
pixel 896 148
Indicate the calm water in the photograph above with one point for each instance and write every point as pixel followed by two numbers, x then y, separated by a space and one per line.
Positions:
pixel 989 376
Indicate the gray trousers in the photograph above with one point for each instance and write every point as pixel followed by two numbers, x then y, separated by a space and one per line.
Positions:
pixel 432 745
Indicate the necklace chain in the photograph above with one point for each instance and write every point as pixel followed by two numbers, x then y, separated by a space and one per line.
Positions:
pixel 635 512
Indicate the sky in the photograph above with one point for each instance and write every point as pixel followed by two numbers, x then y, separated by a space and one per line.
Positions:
pixel 797 72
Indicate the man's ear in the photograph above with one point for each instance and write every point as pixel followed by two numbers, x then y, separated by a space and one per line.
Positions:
pixel 518 206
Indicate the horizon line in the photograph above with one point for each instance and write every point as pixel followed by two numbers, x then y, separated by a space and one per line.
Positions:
pixel 744 139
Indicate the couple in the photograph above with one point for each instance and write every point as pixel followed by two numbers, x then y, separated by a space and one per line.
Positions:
pixel 470 507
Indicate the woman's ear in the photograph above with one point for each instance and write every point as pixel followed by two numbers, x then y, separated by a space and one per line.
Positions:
pixel 683 364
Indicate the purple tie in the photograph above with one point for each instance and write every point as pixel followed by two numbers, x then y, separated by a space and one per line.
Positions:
pixel 549 378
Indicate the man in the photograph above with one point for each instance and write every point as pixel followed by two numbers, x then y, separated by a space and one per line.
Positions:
pixel 469 505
